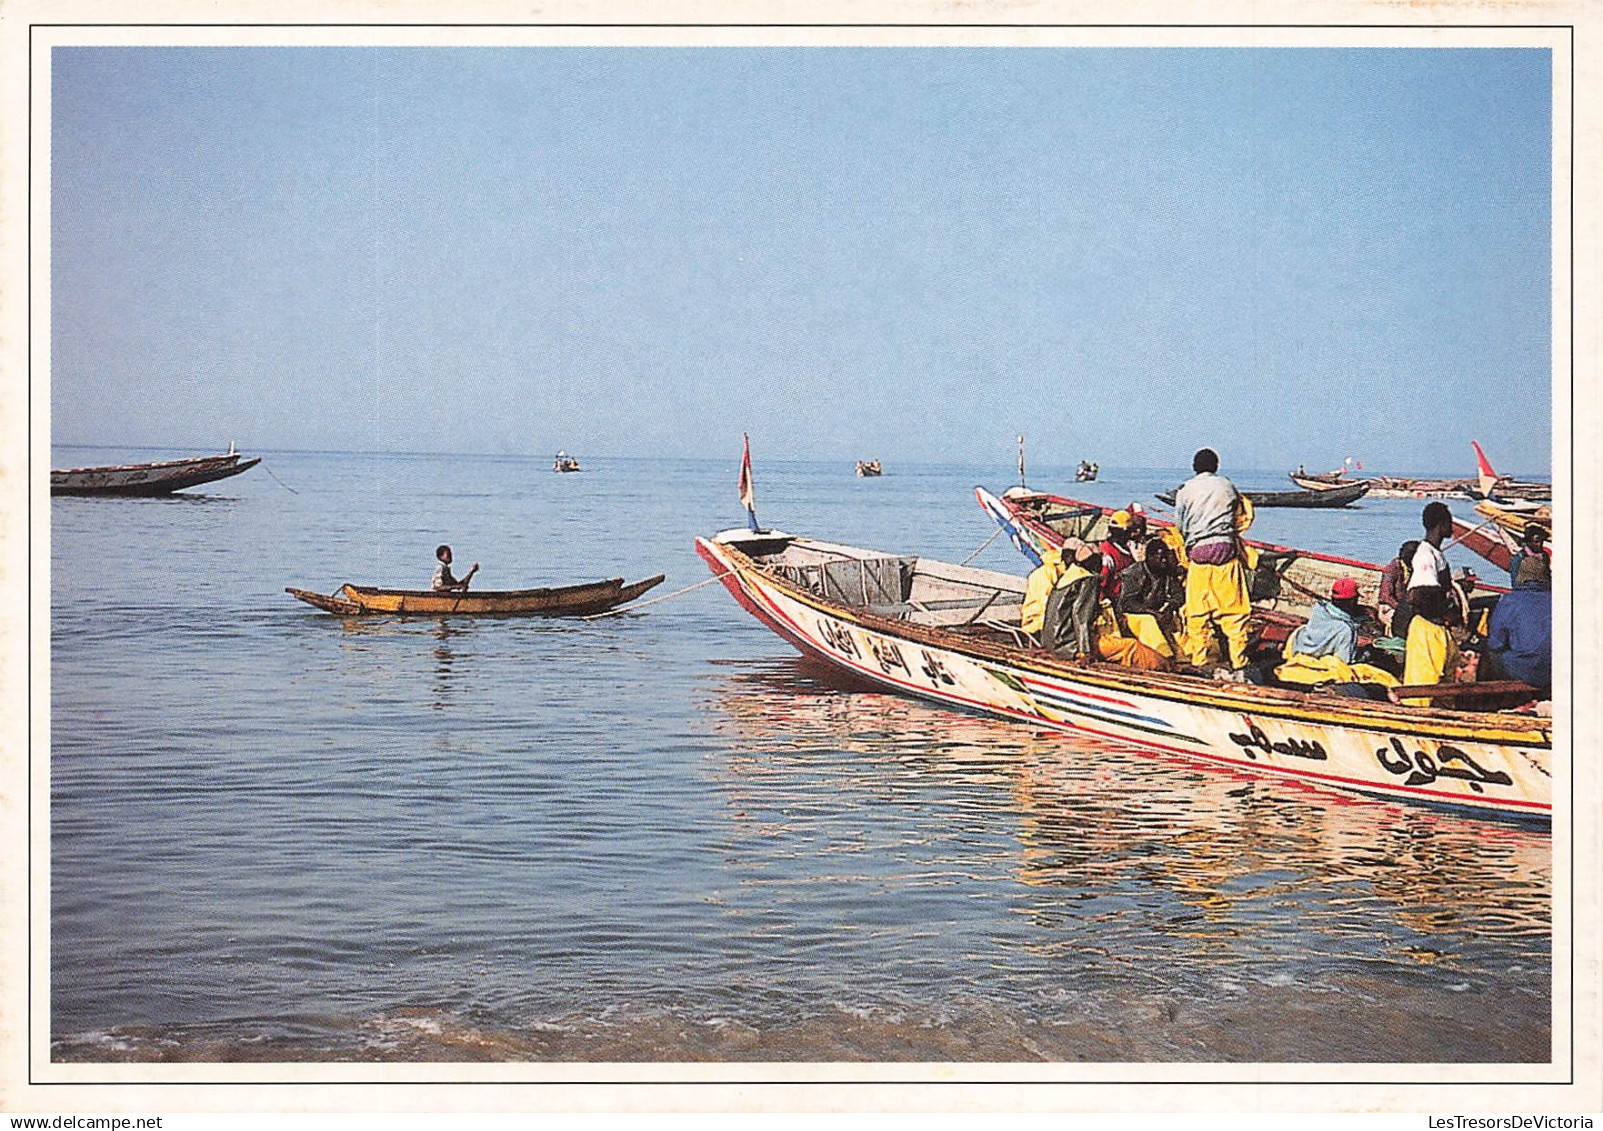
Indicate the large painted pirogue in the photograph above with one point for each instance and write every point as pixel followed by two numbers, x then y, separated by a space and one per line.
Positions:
pixel 949 633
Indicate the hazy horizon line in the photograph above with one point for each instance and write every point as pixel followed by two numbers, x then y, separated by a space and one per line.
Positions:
pixel 734 458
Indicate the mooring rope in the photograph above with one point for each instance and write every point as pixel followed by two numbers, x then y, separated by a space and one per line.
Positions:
pixel 279 481
pixel 667 596
pixel 998 533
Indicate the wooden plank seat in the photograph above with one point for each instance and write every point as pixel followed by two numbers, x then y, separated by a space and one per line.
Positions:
pixel 1490 695
pixel 1082 512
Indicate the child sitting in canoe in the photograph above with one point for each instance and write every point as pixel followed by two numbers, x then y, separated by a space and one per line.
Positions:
pixel 444 582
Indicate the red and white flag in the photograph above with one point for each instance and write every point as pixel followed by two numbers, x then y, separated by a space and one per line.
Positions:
pixel 747 499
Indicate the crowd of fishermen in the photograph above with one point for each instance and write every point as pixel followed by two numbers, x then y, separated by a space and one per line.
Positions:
pixel 1180 600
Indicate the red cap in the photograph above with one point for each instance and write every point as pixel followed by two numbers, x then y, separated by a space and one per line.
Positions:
pixel 1344 589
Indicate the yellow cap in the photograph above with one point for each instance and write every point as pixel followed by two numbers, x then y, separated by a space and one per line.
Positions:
pixel 1120 519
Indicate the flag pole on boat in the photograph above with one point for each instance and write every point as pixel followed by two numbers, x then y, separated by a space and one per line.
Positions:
pixel 1021 461
pixel 747 499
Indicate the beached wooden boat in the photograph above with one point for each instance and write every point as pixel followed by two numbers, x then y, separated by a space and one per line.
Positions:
pixel 1342 496
pixel 562 601
pixel 1285 585
pixel 146 479
pixel 947 633
pixel 1390 486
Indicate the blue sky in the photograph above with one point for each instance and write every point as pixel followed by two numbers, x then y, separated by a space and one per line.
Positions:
pixel 1291 255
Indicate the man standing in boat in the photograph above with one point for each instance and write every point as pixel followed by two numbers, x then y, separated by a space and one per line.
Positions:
pixel 1430 654
pixel 1428 575
pixel 444 582
pixel 1210 514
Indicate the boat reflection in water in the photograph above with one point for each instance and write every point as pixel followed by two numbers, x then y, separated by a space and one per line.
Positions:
pixel 1246 919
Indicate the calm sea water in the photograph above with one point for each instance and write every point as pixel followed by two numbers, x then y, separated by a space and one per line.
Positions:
pixel 666 836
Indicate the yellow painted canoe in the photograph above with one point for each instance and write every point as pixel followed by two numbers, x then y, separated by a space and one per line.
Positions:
pixel 567 600
pixel 1515 518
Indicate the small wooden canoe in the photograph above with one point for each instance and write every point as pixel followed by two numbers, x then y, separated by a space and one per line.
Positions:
pixel 146 479
pixel 562 601
pixel 1345 495
pixel 1514 516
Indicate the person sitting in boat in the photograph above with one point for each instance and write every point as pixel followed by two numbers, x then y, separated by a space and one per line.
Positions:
pixel 1069 617
pixel 1211 515
pixel 1138 527
pixel 1393 607
pixel 1431 654
pixel 1519 638
pixel 444 582
pixel 1332 628
pixel 1079 625
pixel 1324 651
pixel 1467 614
pixel 1038 587
pixel 1534 542
pixel 1117 555
pixel 1152 591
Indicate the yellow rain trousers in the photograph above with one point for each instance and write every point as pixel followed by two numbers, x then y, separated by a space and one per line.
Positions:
pixel 1144 627
pixel 1428 657
pixel 1130 653
pixel 1217 595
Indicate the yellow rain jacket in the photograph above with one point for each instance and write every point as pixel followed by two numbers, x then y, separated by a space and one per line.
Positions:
pixel 1171 538
pixel 1067 575
pixel 1244 519
pixel 1032 614
pixel 1428 657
